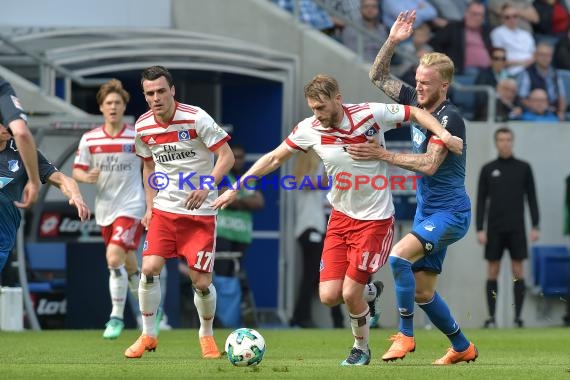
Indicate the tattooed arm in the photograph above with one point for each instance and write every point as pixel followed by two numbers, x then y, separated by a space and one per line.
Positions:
pixel 379 73
pixel 426 163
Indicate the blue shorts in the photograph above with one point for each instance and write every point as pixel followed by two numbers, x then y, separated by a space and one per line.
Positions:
pixel 436 232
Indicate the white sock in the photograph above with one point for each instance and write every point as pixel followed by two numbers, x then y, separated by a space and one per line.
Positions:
pixel 369 292
pixel 118 285
pixel 149 299
pixel 163 282
pixel 206 306
pixel 360 325
pixel 134 284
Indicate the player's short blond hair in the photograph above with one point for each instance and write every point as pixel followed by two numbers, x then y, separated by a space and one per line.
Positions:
pixel 322 86
pixel 440 62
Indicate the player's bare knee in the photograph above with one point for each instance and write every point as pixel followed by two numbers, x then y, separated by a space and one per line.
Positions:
pixel 424 295
pixel 397 250
pixel 114 261
pixel 202 284
pixel 352 302
pixel 150 270
pixel 330 299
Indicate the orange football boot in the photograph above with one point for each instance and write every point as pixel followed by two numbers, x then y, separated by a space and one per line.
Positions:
pixel 209 348
pixel 401 345
pixel 143 343
pixel 453 357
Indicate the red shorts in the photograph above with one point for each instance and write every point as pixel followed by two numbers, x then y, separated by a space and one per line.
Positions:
pixel 177 235
pixel 355 248
pixel 124 231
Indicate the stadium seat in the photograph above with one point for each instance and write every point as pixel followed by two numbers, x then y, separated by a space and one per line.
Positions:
pixel 555 275
pixel 565 76
pixel 46 263
pixel 551 269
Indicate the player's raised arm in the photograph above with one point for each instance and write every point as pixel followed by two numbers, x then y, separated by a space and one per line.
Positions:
pixel 379 73
pixel 266 164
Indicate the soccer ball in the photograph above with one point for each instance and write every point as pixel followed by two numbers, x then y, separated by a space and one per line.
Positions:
pixel 245 347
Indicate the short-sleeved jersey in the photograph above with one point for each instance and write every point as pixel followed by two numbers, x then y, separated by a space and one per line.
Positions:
pixel 10 106
pixel 13 179
pixel 182 150
pixel 119 186
pixel 359 122
pixel 445 190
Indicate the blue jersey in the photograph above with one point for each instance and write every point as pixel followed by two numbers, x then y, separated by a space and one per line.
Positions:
pixel 13 179
pixel 445 190
pixel 10 107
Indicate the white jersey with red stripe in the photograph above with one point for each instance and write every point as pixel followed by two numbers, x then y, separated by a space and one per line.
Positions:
pixel 119 186
pixel 182 151
pixel 361 121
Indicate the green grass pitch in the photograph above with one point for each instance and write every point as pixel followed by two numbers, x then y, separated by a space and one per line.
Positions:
pixel 291 354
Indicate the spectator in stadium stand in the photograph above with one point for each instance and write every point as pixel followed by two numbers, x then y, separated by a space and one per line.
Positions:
pixel 425 12
pixel 561 58
pixel 466 42
pixel 350 9
pixel 508 105
pixel 526 11
pixel 311 14
pixel 543 75
pixel 537 108
pixel 553 19
pixel 450 10
pixel 490 76
pixel 517 42
pixel 369 10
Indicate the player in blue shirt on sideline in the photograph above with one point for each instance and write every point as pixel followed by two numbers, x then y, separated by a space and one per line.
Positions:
pixel 13 179
pixel 443 211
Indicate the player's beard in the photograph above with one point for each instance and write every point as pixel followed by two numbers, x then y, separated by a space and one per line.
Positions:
pixel 429 101
pixel 331 122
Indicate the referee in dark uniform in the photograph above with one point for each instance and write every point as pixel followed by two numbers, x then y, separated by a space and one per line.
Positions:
pixel 503 185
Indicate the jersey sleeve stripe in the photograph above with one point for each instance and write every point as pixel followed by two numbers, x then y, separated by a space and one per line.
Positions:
pixel 215 147
pixel 80 166
pixel 293 145
pixel 406 112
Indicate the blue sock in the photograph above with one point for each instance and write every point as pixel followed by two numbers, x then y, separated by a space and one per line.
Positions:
pixel 405 285
pixel 440 316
